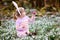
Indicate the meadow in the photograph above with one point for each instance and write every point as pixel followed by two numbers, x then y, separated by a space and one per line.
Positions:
pixel 47 28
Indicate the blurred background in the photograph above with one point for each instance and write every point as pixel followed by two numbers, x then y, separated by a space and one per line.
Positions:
pixel 46 24
pixel 7 8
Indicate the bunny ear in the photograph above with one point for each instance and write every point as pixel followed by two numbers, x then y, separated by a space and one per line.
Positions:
pixel 15 4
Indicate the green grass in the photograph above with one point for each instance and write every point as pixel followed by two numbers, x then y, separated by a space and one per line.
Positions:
pixel 47 29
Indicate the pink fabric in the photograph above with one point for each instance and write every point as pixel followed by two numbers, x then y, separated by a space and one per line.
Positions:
pixel 22 26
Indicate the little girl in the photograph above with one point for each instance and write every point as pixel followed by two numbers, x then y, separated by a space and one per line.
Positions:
pixel 22 22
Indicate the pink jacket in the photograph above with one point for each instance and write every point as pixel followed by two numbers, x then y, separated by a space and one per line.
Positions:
pixel 22 25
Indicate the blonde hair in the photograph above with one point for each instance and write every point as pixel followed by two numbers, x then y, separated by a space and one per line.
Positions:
pixel 14 17
pixel 17 14
pixel 20 8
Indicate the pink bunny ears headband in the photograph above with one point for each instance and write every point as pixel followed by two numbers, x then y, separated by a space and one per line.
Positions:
pixel 21 8
pixel 18 8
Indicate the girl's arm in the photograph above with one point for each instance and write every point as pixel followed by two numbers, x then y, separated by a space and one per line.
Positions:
pixel 32 19
pixel 18 25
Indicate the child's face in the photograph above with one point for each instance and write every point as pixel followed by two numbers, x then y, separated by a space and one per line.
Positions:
pixel 22 12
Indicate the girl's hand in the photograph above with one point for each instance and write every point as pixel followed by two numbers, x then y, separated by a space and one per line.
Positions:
pixel 34 13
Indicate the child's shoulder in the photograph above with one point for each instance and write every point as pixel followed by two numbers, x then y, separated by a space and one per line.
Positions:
pixel 26 16
pixel 18 20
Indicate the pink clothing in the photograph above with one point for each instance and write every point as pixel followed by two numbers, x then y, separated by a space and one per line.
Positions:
pixel 22 26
